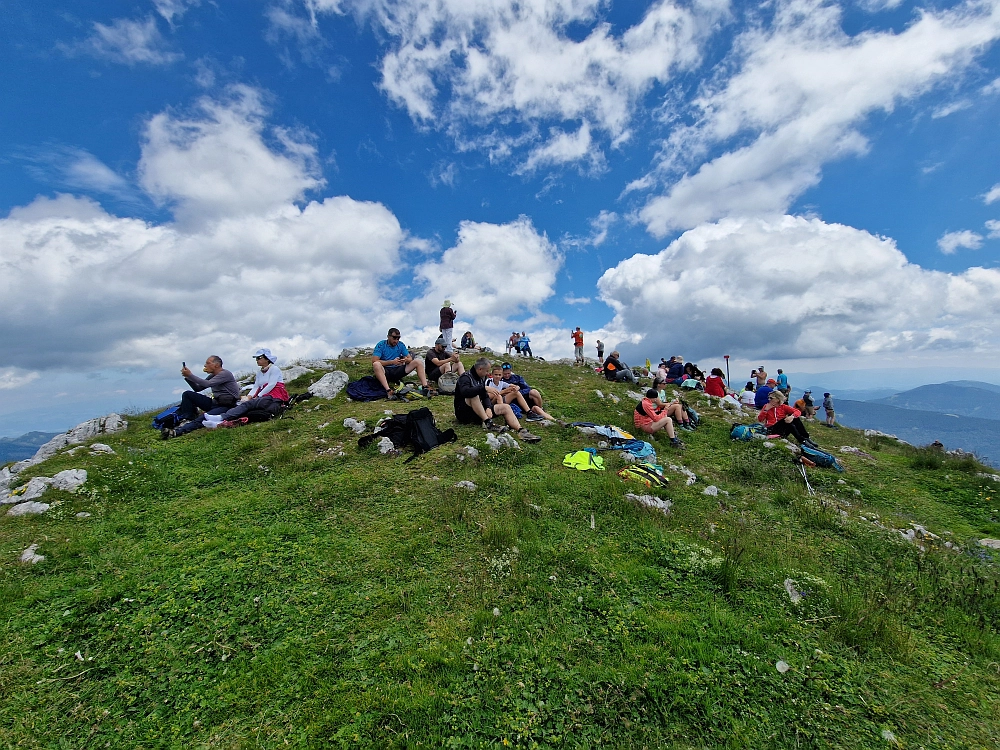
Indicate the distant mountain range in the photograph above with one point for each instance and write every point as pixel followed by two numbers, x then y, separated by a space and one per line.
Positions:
pixel 962 397
pixel 24 446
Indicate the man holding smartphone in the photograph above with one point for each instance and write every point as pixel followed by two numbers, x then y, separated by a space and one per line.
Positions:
pixel 220 382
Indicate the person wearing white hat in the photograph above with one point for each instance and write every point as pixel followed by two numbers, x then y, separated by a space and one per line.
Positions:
pixel 268 392
pixel 447 325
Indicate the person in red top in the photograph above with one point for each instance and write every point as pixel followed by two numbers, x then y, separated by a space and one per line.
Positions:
pixel 650 418
pixel 782 420
pixel 715 384
pixel 577 345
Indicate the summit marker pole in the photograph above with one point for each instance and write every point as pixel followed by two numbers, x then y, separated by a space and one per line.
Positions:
pixel 727 371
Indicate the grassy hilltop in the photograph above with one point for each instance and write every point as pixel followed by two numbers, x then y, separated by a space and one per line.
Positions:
pixel 275 585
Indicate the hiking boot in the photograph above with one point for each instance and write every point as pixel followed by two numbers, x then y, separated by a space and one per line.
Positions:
pixel 562 423
pixel 527 436
pixel 687 426
pixel 534 418
pixel 490 427
pixel 166 433
pixel 675 443
pixel 426 391
pixel 810 444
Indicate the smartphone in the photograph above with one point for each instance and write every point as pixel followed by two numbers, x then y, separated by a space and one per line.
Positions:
pixel 184 364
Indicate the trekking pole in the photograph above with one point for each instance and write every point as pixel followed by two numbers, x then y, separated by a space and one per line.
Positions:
pixel 730 385
pixel 802 468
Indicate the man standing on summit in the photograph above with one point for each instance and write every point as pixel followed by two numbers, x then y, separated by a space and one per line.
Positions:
pixel 577 345
pixel 447 325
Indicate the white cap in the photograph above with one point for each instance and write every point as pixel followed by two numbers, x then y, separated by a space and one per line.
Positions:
pixel 265 353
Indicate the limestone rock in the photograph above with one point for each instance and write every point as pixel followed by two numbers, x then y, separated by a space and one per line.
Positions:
pixel 711 490
pixel 69 480
pixel 661 504
pixel 28 509
pixel 465 484
pixel 329 385
pixel 991 543
pixel 295 371
pixel 97 449
pixel 29 557
pixel 34 489
pixel 81 433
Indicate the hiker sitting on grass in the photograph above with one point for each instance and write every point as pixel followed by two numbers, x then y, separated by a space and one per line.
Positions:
pixel 504 391
pixel 782 420
pixel 674 409
pixel 532 395
pixel 747 395
pixel 473 405
pixel 651 418
pixel 806 405
pixel 617 371
pixel 225 393
pixel 468 341
pixel 391 362
pixel 675 370
pixel 761 395
pixel 437 361
pixel 267 394
pixel 715 384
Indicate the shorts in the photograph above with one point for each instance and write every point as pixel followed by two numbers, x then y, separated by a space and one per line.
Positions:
pixel 465 415
pixel 395 373
pixel 830 413
pixel 434 373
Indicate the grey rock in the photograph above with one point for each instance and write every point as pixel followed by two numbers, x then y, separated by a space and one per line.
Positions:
pixel 98 448
pixel 295 371
pixel 465 484
pixel 69 480
pixel 329 385
pixel 29 557
pixel 661 504
pixel 991 543
pixel 711 490
pixel 83 514
pixel 28 509
pixel 80 434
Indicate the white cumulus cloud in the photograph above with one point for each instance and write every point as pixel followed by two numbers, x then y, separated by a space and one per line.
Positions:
pixel 994 229
pixel 801 90
pixel 793 287
pixel 949 242
pixel 130 42
pixel 11 378
pixel 992 195
pixel 463 66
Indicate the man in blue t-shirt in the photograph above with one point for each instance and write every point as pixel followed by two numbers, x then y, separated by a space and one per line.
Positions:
pixel 782 381
pixel 391 362
pixel 763 393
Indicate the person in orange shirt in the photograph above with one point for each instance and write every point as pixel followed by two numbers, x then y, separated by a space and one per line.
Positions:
pixel 577 345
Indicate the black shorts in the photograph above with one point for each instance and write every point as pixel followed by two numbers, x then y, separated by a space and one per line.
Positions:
pixel 395 373
pixel 434 373
pixel 465 415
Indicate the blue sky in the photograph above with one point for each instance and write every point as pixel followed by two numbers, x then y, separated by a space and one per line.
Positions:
pixel 800 183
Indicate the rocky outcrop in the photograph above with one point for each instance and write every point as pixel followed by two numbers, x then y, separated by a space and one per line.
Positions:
pixel 329 385
pixel 80 434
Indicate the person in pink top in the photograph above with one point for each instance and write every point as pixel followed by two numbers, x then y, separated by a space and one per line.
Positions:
pixel 715 384
pixel 782 420
pixel 651 418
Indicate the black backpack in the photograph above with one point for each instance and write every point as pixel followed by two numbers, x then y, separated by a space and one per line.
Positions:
pixel 415 429
pixel 273 409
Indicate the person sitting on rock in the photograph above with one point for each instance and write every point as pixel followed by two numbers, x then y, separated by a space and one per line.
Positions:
pixel 651 418
pixel 715 384
pixel 617 371
pixel 437 361
pixel 761 394
pixel 473 405
pixel 503 390
pixel 468 341
pixel 806 405
pixel 748 394
pixel 225 394
pixel 391 362
pixel 782 420
pixel 267 394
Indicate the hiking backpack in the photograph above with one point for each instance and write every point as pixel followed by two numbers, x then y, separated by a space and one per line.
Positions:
pixel 447 382
pixel 365 389
pixel 272 410
pixel 821 458
pixel 415 429
pixel 746 432
pixel 167 418
pixel 645 473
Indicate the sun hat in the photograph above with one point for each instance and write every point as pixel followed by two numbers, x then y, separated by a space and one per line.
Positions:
pixel 265 353
pixel 447 303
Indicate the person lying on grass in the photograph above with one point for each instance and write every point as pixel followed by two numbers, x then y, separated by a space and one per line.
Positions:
pixel 267 393
pixel 391 362
pixel 651 418
pixel 782 420
pixel 437 361
pixel 473 405
pixel 501 390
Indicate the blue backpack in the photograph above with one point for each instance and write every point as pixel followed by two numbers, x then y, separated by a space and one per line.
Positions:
pixel 821 458
pixel 167 418
pixel 746 432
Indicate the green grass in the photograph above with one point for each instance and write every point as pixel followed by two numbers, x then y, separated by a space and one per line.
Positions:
pixel 252 588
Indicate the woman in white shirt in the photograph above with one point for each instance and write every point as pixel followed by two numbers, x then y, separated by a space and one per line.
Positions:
pixel 267 394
